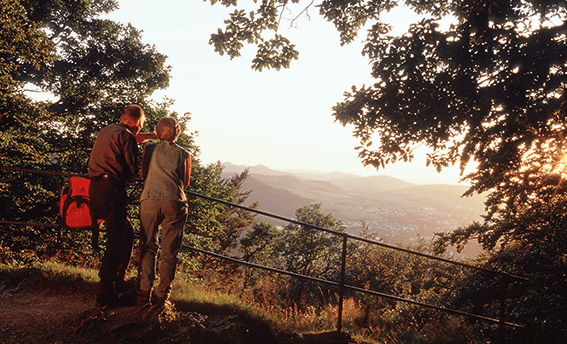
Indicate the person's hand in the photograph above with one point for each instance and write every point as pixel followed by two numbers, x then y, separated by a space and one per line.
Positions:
pixel 144 137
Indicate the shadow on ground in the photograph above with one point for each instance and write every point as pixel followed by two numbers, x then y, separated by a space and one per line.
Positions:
pixel 39 309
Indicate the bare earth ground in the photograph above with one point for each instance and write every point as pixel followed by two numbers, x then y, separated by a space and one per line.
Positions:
pixel 32 311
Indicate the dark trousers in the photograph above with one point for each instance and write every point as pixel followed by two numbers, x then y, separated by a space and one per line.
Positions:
pixel 109 202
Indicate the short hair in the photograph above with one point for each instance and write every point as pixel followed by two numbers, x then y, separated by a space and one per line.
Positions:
pixel 168 129
pixel 133 111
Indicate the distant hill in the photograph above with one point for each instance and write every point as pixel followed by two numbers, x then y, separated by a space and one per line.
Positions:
pixel 344 180
pixel 395 210
pixel 258 169
pixel 274 200
pixel 376 183
pixel 323 175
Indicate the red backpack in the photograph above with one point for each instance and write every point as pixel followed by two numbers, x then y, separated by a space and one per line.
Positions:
pixel 74 206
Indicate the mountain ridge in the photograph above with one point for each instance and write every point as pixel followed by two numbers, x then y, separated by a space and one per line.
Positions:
pixel 396 211
pixel 322 176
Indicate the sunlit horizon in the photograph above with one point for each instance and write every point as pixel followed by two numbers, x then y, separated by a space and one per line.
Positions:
pixel 279 119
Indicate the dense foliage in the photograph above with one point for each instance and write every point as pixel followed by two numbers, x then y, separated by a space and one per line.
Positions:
pixel 66 72
pixel 313 252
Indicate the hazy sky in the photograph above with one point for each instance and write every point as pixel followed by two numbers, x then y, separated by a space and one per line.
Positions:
pixel 280 119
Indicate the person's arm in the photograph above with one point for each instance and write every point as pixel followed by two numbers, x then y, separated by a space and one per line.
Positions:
pixel 143 167
pixel 187 178
pixel 130 148
pixel 144 137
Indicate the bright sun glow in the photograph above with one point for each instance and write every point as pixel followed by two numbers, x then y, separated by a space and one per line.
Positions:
pixel 561 166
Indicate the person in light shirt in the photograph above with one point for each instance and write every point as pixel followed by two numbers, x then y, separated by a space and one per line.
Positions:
pixel 166 170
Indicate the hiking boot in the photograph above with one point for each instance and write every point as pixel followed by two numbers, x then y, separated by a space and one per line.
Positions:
pixel 136 298
pixel 125 285
pixel 105 295
pixel 162 302
pixel 142 297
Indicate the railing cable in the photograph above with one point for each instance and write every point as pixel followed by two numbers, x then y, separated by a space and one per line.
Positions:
pixel 353 237
pixel 345 236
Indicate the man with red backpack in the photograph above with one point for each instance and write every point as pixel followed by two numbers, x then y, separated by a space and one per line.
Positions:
pixel 112 165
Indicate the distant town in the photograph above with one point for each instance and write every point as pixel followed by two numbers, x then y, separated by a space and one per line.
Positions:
pixel 394 211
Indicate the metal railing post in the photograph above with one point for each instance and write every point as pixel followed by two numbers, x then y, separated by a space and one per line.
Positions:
pixel 503 293
pixel 342 285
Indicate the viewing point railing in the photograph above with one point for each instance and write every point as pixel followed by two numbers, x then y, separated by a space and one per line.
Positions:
pixel 505 278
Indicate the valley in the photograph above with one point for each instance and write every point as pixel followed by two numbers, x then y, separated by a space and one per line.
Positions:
pixel 397 212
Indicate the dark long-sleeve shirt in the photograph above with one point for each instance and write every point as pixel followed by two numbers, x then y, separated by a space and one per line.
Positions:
pixel 115 152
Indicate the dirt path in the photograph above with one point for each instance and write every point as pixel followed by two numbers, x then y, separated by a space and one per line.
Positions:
pixel 28 315
pixel 33 311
